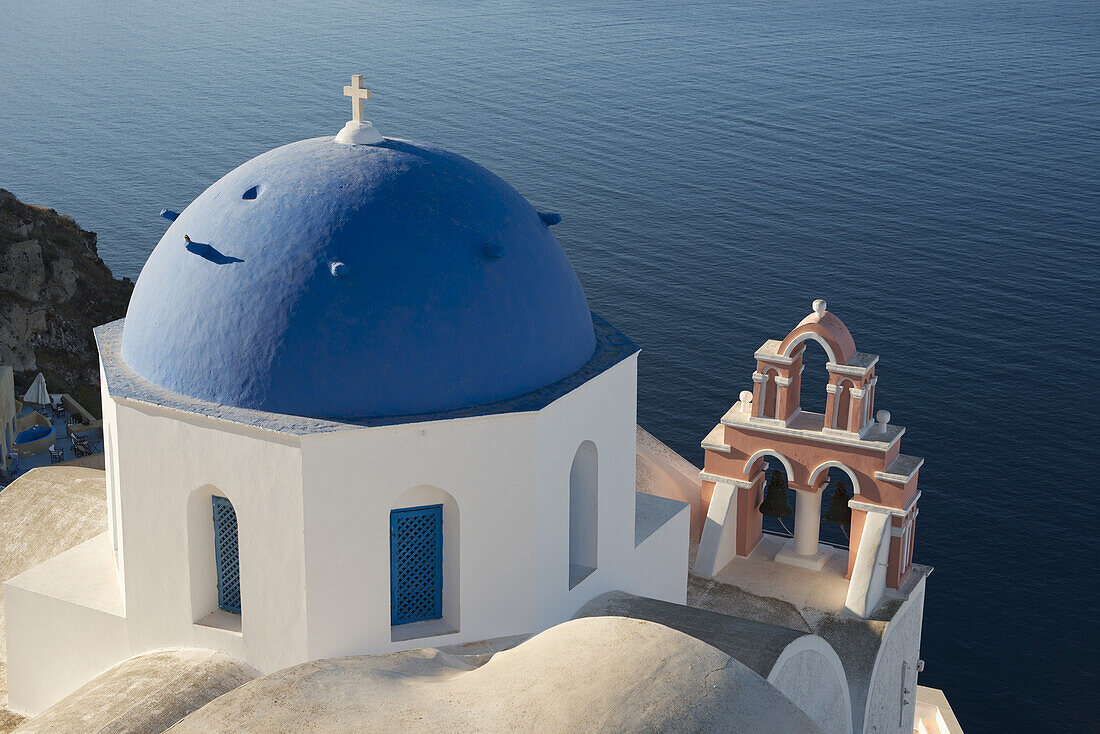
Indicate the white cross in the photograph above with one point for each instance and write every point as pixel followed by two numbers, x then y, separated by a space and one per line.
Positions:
pixel 358 95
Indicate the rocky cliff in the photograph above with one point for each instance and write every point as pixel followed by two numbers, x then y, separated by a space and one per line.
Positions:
pixel 54 289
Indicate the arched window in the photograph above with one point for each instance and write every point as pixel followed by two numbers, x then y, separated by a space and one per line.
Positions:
pixel 771 393
pixel 583 513
pixel 416 564
pixel 813 396
pixel 843 404
pixel 425 564
pixel 226 555
pixel 777 468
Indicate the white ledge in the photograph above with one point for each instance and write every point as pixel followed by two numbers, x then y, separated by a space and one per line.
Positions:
pixel 421 630
pixel 707 476
pixel 713 442
pixel 805 425
pixel 883 509
pixel 220 619
pixel 903 469
pixel 859 365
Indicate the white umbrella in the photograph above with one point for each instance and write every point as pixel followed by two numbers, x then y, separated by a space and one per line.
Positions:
pixel 38 394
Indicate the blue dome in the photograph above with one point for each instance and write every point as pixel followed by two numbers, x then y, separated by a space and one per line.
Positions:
pixel 354 281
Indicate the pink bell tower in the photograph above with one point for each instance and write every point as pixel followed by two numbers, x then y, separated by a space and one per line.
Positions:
pixel 769 422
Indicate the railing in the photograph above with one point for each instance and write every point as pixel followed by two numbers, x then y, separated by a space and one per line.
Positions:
pixel 779 534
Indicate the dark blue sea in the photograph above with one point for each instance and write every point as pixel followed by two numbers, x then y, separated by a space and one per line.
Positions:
pixel 931 168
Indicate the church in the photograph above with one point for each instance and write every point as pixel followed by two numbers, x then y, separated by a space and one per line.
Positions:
pixel 359 405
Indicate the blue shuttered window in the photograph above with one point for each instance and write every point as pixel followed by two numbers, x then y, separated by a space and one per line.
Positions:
pixel 225 552
pixel 416 564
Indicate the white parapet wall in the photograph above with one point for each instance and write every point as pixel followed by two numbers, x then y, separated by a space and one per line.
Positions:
pixel 661 548
pixel 65 624
pixel 934 713
pixel 663 472
pixel 892 689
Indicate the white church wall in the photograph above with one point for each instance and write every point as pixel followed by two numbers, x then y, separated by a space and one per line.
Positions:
pixel 603 411
pixel 663 472
pixel 43 666
pixel 355 478
pixel 65 625
pixel 169 465
pixel 891 698
pixel 660 562
pixel 811 675
pixel 584 512
pixel 313 524
pixel 718 541
pixel 111 469
pixel 595 412
pixel 508 476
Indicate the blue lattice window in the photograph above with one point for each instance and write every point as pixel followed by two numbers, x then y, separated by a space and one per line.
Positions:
pixel 416 564
pixel 226 555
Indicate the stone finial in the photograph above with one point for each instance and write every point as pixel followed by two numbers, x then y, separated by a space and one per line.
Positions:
pixel 819 308
pixel 358 131
pixel 746 401
pixel 883 418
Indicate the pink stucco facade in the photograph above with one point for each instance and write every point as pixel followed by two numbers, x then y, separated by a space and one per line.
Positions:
pixel 773 428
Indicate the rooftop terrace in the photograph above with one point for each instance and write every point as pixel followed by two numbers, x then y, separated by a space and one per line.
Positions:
pixel 62 442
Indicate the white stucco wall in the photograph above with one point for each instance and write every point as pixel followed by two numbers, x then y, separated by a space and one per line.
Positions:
pixel 810 674
pixel 65 625
pixel 508 474
pixel 659 566
pixel 898 656
pixel 111 468
pixel 603 411
pixel 169 464
pixel 162 466
pixel 313 516
pixel 354 479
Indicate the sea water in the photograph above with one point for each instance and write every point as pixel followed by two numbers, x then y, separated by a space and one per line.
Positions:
pixel 931 168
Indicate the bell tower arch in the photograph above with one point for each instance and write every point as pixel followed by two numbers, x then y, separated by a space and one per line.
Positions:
pixel 873 488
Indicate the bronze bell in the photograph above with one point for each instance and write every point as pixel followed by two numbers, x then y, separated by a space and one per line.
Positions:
pixel 839 512
pixel 775 501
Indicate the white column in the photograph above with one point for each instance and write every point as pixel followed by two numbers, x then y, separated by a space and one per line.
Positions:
pixel 807 522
